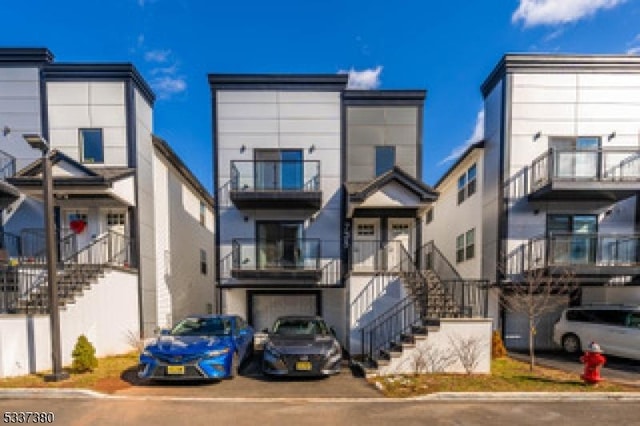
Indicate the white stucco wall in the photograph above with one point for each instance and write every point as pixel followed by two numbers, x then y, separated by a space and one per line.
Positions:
pixel 106 314
pixel 442 342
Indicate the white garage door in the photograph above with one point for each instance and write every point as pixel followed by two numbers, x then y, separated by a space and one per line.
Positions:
pixel 268 307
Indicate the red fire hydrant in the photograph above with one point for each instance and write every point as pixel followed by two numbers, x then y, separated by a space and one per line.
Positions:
pixel 593 360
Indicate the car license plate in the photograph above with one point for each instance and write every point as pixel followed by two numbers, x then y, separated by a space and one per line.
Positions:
pixel 303 365
pixel 175 369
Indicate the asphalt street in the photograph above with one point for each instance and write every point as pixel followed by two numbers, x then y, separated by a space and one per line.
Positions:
pixel 108 412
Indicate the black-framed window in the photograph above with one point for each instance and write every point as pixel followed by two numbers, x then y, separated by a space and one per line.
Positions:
pixel 203 262
pixel 429 216
pixel 470 247
pixel 467 183
pixel 460 248
pixel 385 159
pixel 91 146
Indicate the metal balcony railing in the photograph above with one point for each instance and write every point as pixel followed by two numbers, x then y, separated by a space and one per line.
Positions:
pixel 295 254
pixel 275 175
pixel 604 165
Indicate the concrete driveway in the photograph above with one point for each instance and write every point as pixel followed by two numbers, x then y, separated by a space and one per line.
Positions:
pixel 252 384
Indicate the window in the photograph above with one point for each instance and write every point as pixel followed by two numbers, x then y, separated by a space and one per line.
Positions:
pixel 429 218
pixel 91 146
pixel 365 229
pixel 203 213
pixel 279 169
pixel 466 246
pixel 203 262
pixel 467 183
pixel 385 159
pixel 460 248
pixel 115 219
pixel 471 244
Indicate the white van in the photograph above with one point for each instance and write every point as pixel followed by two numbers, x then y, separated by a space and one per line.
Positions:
pixel 616 328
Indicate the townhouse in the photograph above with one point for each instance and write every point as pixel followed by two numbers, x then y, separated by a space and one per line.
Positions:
pixel 556 180
pixel 125 204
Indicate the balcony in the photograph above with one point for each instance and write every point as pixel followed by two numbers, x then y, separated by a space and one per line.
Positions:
pixel 276 185
pixel 610 174
pixel 585 255
pixel 297 259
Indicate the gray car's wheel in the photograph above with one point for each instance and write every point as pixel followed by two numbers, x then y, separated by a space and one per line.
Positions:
pixel 571 344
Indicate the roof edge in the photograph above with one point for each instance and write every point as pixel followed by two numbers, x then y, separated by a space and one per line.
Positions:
pixel 25 55
pixel 463 156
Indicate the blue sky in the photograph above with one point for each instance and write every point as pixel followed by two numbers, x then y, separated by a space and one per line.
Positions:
pixel 446 47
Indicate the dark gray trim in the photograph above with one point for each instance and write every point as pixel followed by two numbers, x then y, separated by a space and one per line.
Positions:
pixel 163 147
pixel 294 82
pixel 558 64
pixel 99 72
pixel 420 141
pixel 92 181
pixel 477 145
pixel 503 222
pixel 309 201
pixel 424 191
pixel 637 224
pixel 385 97
pixel 394 212
pixel 344 249
pixel 35 167
pixel 216 196
pixel 44 106
pixel 251 293
pixel 130 111
pixel 25 55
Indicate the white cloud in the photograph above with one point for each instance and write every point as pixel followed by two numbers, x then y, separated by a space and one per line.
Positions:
pixel 553 12
pixel 157 55
pixel 363 80
pixel 476 136
pixel 634 51
pixel 167 86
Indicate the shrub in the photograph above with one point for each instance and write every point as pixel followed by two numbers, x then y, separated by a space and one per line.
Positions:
pixel 84 355
pixel 497 346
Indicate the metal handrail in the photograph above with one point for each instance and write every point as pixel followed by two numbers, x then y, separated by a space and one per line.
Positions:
pixel 309 179
pixel 304 250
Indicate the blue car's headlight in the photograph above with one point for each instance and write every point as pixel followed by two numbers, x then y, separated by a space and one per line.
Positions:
pixel 217 353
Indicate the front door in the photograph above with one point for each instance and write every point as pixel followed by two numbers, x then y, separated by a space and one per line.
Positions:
pixel 573 238
pixel 279 245
pixel 399 237
pixel 365 246
pixel 77 222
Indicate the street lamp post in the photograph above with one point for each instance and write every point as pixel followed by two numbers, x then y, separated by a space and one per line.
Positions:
pixel 37 141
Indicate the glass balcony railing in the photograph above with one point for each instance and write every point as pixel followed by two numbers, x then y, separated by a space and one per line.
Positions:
pixel 265 255
pixel 584 250
pixel 257 175
pixel 604 165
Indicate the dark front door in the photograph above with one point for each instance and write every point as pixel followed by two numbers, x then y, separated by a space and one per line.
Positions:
pixel 573 238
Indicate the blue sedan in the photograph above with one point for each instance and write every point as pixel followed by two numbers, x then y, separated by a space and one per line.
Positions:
pixel 198 347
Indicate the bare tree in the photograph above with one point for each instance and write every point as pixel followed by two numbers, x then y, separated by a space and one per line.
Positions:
pixel 427 358
pixel 536 293
pixel 468 350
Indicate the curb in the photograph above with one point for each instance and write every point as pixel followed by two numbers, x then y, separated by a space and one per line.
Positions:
pixel 22 393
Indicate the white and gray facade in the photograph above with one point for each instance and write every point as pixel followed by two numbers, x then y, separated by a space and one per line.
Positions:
pixel 109 172
pixel 300 164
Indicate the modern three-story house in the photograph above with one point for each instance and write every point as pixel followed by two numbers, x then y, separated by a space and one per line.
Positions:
pixel 123 199
pixel 319 202
pixel 556 181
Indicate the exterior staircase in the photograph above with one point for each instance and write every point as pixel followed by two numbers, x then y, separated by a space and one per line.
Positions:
pixel 24 289
pixel 434 290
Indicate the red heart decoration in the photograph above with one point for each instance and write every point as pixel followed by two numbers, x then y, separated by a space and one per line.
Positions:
pixel 78 226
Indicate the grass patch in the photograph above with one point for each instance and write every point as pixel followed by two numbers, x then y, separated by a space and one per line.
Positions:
pixel 107 377
pixel 507 375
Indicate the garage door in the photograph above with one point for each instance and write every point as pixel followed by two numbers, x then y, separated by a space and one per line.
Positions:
pixel 267 307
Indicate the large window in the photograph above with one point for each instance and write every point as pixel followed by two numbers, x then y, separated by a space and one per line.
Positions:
pixel 460 248
pixel 467 183
pixel 91 146
pixel 279 169
pixel 385 159
pixel 576 157
pixel 203 262
pixel 280 244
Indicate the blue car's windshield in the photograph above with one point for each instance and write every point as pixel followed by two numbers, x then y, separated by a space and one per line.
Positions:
pixel 202 327
pixel 300 326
